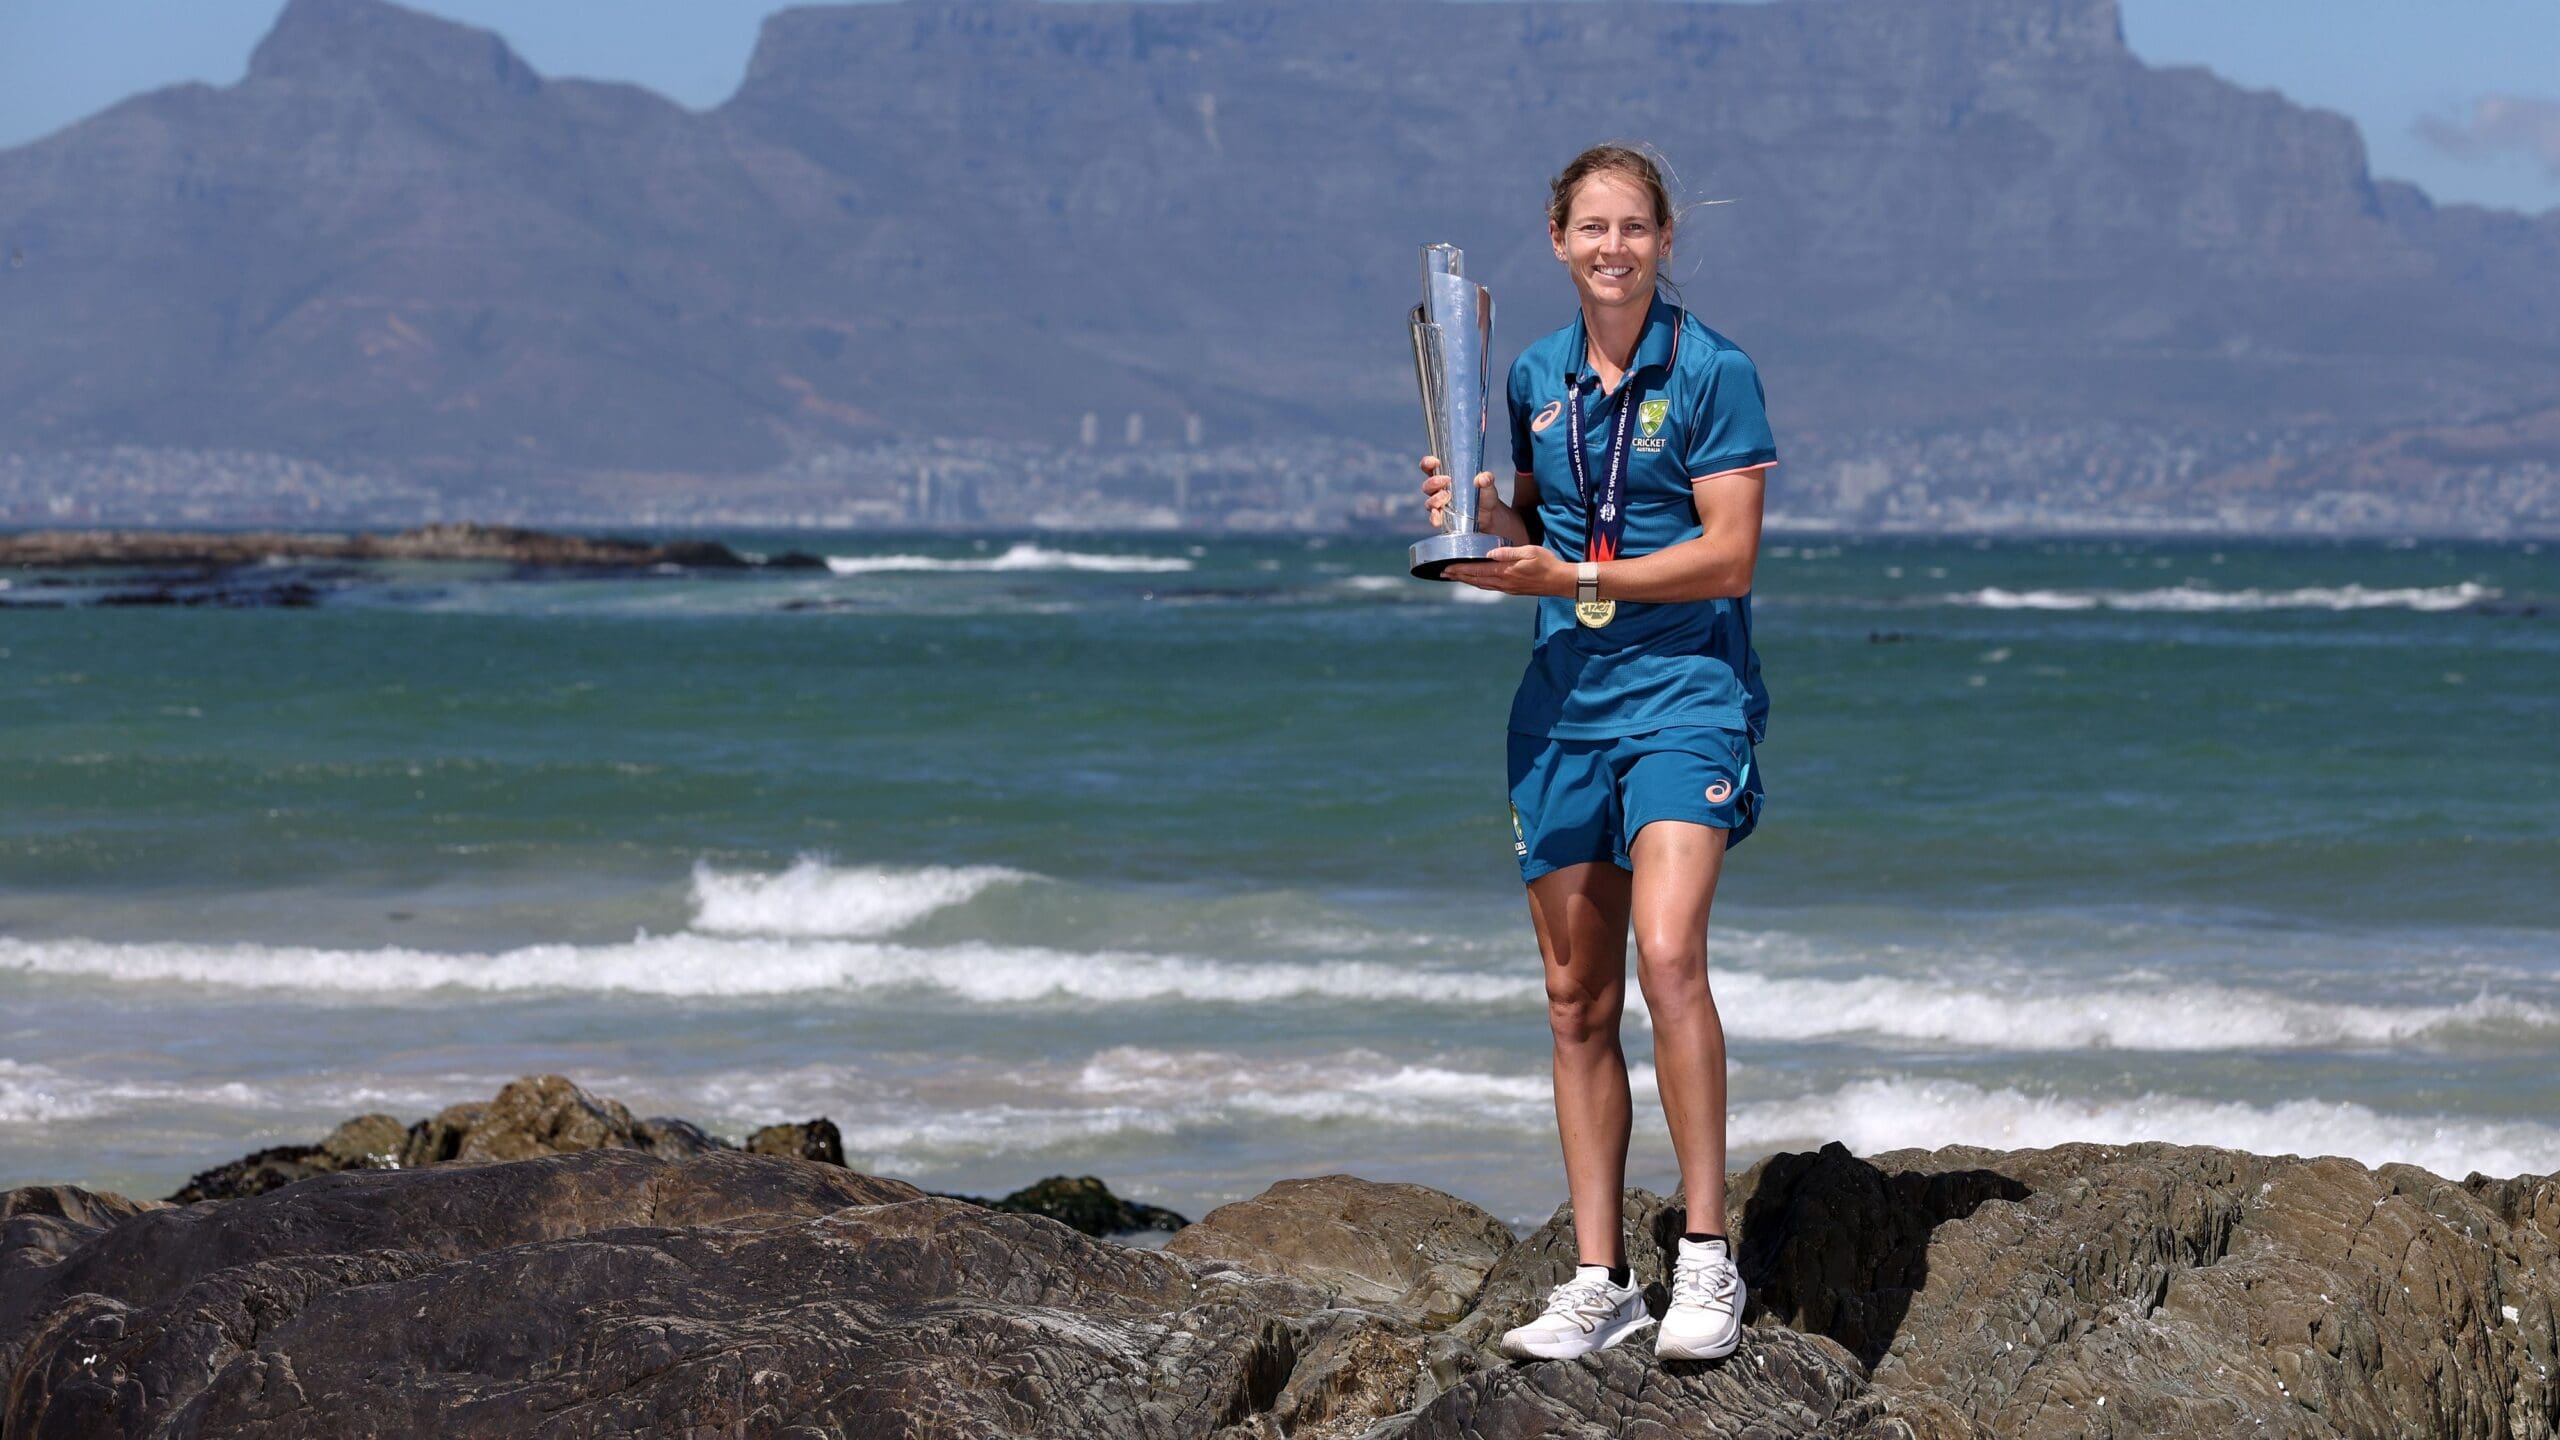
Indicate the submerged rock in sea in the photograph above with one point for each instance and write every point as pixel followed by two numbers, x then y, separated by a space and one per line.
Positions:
pixel 2143 1289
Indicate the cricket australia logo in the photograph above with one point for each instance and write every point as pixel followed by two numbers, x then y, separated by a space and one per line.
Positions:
pixel 1649 418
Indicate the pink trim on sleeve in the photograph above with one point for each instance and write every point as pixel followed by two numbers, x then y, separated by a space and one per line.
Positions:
pixel 1737 470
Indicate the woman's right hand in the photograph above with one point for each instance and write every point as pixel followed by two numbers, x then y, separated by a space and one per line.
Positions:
pixel 1435 493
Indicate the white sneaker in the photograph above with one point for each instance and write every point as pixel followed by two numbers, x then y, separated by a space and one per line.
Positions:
pixel 1584 1314
pixel 1705 1318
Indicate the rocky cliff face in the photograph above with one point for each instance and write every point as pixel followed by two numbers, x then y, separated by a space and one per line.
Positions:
pixel 617 1289
pixel 393 239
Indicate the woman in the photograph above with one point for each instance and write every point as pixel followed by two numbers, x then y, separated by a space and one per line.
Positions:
pixel 1632 730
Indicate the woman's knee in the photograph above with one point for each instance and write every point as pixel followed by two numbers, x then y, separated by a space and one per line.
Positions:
pixel 1581 1014
pixel 1672 967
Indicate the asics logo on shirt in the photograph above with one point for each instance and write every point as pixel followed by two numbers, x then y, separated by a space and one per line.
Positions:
pixel 1546 417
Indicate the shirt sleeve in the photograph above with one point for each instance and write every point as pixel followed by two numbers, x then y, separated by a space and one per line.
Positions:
pixel 1518 390
pixel 1730 430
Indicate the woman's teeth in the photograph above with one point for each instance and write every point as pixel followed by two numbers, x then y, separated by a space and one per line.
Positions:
pixel 1617 272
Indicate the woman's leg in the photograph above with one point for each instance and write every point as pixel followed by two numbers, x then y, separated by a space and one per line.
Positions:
pixel 1677 865
pixel 1580 913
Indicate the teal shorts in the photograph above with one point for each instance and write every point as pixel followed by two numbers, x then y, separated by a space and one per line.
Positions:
pixel 1578 801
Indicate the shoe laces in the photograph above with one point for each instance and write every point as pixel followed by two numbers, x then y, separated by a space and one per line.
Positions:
pixel 1704 1277
pixel 1585 1300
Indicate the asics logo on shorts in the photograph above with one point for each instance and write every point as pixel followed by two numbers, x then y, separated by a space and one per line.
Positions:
pixel 1719 792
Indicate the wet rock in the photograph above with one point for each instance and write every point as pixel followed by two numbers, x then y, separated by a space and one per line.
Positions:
pixel 666 1136
pixel 366 1142
pixel 1406 1249
pixel 1779 1383
pixel 817 1140
pixel 1081 1202
pixel 39 1224
pixel 545 1115
pixel 2156 1289
pixel 607 1289
pixel 438 1138
pixel 609 1292
pixel 253 1174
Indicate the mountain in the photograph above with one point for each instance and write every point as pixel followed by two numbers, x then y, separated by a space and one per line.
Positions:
pixel 394 246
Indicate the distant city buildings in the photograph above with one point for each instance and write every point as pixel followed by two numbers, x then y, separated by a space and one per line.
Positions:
pixel 2090 478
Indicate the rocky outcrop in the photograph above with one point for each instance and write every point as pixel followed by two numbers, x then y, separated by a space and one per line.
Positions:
pixel 55 549
pixel 2131 1290
pixel 554 1115
pixel 2167 1290
pixel 1405 1249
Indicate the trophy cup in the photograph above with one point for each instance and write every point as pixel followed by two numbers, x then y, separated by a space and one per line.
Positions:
pixel 1452 348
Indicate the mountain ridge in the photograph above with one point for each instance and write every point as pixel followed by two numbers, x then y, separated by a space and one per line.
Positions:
pixel 395 242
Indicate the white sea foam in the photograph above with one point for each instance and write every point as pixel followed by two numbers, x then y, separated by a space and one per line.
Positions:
pixel 1353 1085
pixel 39 1095
pixel 1900 1112
pixel 2199 598
pixel 971 1110
pixel 1021 556
pixel 814 898
pixel 1754 1006
pixel 34 1094
pixel 1135 1093
pixel 704 965
pixel 2186 1017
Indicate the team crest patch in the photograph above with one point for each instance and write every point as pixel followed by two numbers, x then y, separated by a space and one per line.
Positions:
pixel 1546 417
pixel 1651 414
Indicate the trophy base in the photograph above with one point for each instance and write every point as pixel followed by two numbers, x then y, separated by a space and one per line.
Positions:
pixel 1432 555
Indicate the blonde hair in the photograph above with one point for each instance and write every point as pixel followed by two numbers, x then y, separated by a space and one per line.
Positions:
pixel 1637 163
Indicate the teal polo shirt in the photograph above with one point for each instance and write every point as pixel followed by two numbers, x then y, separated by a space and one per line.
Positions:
pixel 1699 413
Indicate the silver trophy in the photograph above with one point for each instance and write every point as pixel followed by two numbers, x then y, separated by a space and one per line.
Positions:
pixel 1452 356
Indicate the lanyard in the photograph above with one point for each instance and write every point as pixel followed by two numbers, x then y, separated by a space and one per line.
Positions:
pixel 1604 512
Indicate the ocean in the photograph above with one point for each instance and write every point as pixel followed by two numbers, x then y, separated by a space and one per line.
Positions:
pixel 1186 863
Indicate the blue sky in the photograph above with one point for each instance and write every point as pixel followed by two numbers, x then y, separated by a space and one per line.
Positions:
pixel 2461 96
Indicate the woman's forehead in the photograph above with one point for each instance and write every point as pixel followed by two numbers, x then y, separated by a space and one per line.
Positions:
pixel 1610 195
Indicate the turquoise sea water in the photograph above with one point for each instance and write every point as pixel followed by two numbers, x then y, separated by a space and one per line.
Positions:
pixel 1186 863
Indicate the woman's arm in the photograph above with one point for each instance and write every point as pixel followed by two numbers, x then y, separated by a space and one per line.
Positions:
pixel 1718 563
pixel 1715 565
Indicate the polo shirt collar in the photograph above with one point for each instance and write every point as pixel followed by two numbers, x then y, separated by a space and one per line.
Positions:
pixel 1658 346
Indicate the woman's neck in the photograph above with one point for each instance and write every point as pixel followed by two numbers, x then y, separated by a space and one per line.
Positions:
pixel 1613 334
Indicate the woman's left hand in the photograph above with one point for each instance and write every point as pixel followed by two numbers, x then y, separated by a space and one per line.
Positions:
pixel 1516 570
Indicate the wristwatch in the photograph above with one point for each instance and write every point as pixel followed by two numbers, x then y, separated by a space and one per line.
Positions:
pixel 1586 582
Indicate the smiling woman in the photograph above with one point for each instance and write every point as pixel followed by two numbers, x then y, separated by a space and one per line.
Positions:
pixel 1632 730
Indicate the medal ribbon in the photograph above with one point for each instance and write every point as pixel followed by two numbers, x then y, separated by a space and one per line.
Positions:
pixel 1604 511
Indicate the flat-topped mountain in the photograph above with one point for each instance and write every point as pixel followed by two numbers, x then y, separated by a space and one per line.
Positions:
pixel 394 243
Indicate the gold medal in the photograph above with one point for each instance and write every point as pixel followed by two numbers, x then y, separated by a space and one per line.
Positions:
pixel 1595 613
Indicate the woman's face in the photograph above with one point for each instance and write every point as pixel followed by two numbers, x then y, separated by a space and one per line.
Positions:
pixel 1611 242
